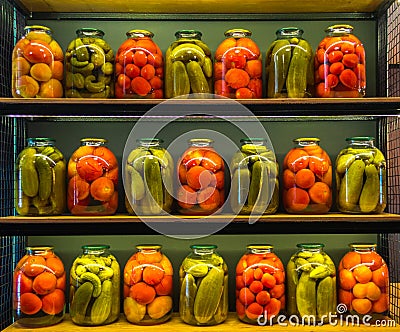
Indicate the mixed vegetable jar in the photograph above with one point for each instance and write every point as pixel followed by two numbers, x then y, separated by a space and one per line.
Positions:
pixel 361 177
pixel 311 284
pixel 307 178
pixel 289 65
pixel 201 179
pixel 89 66
pixel 340 64
pixel 37 65
pixel 40 179
pixel 148 284
pixel 255 178
pixel 139 67
pixel 93 179
pixel 188 65
pixel 39 288
pixel 363 281
pixel 238 66
pixel 203 276
pixel 94 287
pixel 148 178
pixel 260 285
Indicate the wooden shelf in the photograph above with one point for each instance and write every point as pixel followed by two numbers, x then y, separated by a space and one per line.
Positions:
pixel 280 223
pixel 135 108
pixel 176 325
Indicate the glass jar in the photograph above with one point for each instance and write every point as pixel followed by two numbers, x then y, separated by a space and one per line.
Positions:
pixel 39 288
pixel 37 65
pixel 289 65
pixel 238 66
pixel 89 66
pixel 340 64
pixel 188 65
pixel 311 284
pixel 148 180
pixel 361 177
pixel 201 179
pixel 94 287
pixel 148 283
pixel 93 179
pixel 364 281
pixel 307 178
pixel 40 179
pixel 255 178
pixel 139 67
pixel 260 285
pixel 203 277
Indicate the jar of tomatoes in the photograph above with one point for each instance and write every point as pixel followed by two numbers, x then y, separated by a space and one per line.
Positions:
pixel 201 179
pixel 39 288
pixel 37 65
pixel 149 173
pixel 364 281
pixel 89 66
pixel 94 287
pixel 238 66
pixel 255 178
pixel 340 64
pixel 311 284
pixel 289 65
pixel 203 277
pixel 260 285
pixel 307 178
pixel 93 179
pixel 148 283
pixel 139 67
pixel 40 179
pixel 361 177
pixel 188 66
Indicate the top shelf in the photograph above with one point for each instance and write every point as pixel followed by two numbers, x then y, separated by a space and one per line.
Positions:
pixel 203 6
pixel 136 108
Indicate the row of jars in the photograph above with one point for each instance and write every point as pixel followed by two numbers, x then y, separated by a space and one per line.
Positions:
pixel 309 287
pixel 149 173
pixel 90 69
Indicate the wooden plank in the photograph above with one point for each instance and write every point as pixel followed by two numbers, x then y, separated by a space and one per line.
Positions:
pixel 202 6
pixel 176 325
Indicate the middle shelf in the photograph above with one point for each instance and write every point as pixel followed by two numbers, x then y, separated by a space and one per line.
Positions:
pixel 280 223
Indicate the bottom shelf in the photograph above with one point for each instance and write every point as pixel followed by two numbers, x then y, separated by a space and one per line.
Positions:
pixel 176 325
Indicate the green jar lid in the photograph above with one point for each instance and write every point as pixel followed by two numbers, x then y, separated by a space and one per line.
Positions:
pixel 360 138
pixel 310 246
pixel 203 246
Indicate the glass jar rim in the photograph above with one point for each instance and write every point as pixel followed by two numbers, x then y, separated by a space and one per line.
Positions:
pixel 340 28
pixel 39 248
pixel 148 141
pixel 148 246
pixel 201 141
pixel 95 247
pixel 40 140
pixel 290 31
pixel 93 139
pixel 254 140
pixel 310 245
pixel 188 34
pixel 90 31
pixel 139 33
pixel 238 32
pixel 38 27
pixel 203 246
pixel 360 138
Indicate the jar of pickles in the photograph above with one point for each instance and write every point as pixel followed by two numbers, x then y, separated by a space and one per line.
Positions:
pixel 361 177
pixel 201 179
pixel 238 66
pixel 289 65
pixel 188 65
pixel 40 179
pixel 203 277
pixel 37 65
pixel 39 288
pixel 340 64
pixel 148 180
pixel 148 283
pixel 89 66
pixel 139 67
pixel 260 285
pixel 94 287
pixel 364 281
pixel 311 284
pixel 307 178
pixel 93 179
pixel 255 178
